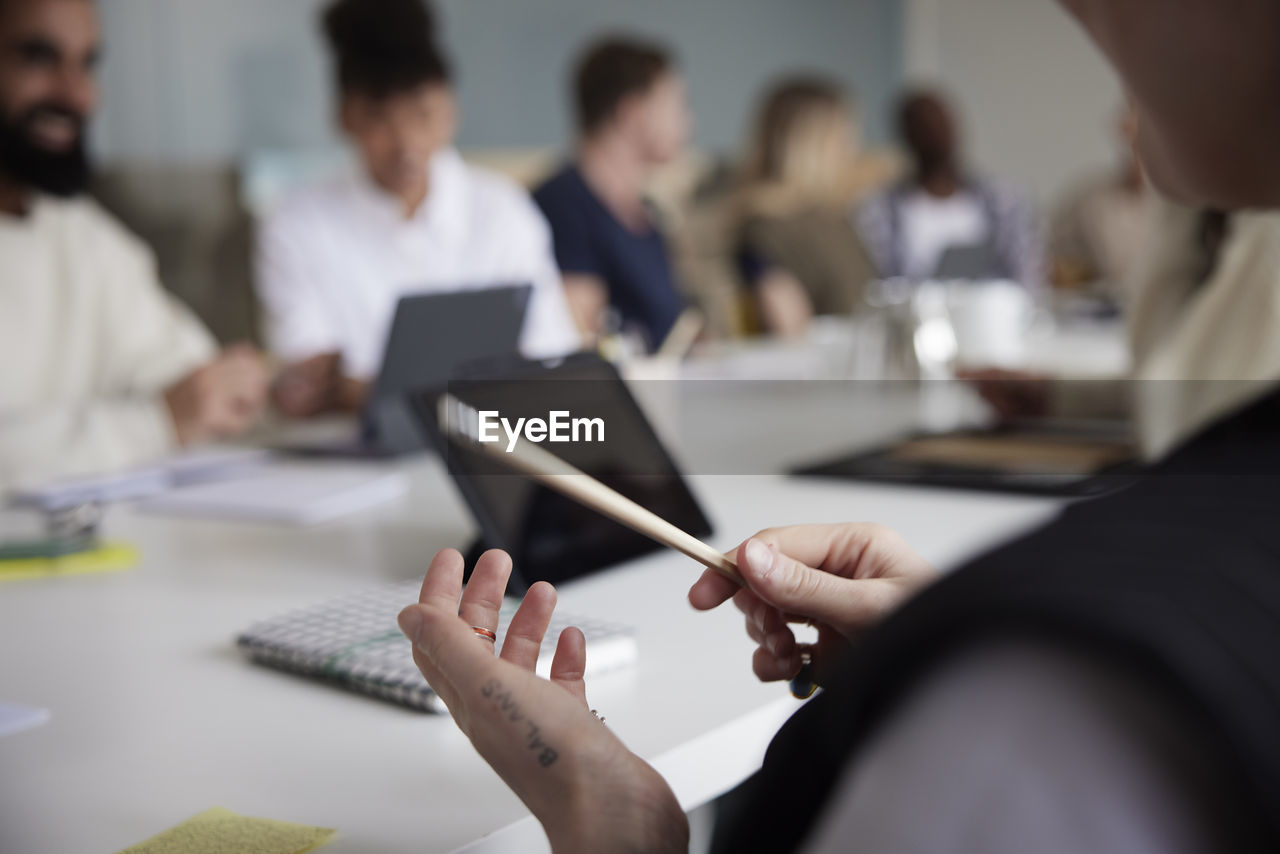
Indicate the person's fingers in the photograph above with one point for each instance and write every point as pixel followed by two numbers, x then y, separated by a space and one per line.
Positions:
pixel 781 642
pixel 220 417
pixel 238 421
pixel 250 375
pixel 261 373
pixel 442 585
pixel 230 398
pixel 441 588
pixel 748 602
pixel 791 586
pixel 303 379
pixel 770 667
pixel 529 626
pixel 445 647
pixel 482 598
pixel 1007 400
pixel 839 549
pixel 290 377
pixel 449 655
pixel 237 410
pixel 711 591
pixel 303 396
pixel 569 665
pixel 295 400
pixel 246 380
pixel 763 615
pixel 771 620
pixel 768 627
pixel 255 387
pixel 436 679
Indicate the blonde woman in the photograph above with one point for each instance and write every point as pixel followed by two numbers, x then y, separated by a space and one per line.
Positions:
pixel 798 250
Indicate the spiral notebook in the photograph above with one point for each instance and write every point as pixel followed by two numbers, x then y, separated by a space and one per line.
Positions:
pixel 354 643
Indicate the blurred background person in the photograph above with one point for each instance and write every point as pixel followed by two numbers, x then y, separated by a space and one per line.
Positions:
pixel 915 229
pixel 632 118
pixel 335 258
pixel 104 369
pixel 1205 301
pixel 798 249
pixel 1101 228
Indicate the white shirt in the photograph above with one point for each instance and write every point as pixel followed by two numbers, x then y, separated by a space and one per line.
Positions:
pixel 931 226
pixel 335 259
pixel 89 342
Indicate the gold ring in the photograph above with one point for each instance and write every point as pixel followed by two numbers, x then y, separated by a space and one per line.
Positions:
pixel 490 636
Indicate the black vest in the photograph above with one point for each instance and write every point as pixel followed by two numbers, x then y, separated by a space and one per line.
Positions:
pixel 1176 580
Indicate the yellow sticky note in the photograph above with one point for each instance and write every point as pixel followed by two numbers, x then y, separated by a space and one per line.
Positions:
pixel 111 557
pixel 220 831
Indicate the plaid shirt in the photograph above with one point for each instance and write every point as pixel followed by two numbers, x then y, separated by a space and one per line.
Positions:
pixel 1013 227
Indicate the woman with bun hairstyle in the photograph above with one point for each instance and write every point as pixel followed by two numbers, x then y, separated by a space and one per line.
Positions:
pixel 335 258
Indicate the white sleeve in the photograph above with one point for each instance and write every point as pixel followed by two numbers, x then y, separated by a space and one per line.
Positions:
pixel 528 255
pixel 94 437
pixel 152 338
pixel 148 342
pixel 296 326
pixel 549 329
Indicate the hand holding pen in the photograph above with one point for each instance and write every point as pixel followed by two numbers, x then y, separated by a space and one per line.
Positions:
pixel 840 579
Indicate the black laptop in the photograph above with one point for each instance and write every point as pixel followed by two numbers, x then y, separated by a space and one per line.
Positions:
pixel 432 335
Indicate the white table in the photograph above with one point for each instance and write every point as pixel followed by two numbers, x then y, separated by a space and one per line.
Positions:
pixel 156 717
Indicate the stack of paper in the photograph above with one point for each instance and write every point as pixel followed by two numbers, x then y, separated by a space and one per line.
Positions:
pixel 185 469
pixel 295 494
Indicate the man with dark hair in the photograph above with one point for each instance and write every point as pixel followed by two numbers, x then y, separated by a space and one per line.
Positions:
pixel 334 259
pixel 632 119
pixel 940 206
pixel 610 72
pixel 104 370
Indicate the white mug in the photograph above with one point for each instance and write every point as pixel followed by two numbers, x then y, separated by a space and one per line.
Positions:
pixel 990 321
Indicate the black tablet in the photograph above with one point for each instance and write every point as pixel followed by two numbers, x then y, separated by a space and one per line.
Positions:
pixel 580 410
pixel 430 335
pixel 1028 460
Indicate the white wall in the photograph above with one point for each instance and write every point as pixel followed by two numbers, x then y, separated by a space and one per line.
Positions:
pixel 206 80
pixel 209 80
pixel 1038 100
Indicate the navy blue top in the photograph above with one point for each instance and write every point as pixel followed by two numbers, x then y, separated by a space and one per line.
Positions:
pixel 589 240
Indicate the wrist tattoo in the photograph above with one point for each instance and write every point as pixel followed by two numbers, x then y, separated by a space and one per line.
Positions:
pixel 510 709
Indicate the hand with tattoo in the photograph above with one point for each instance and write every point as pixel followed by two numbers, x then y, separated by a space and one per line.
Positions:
pixel 590 792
